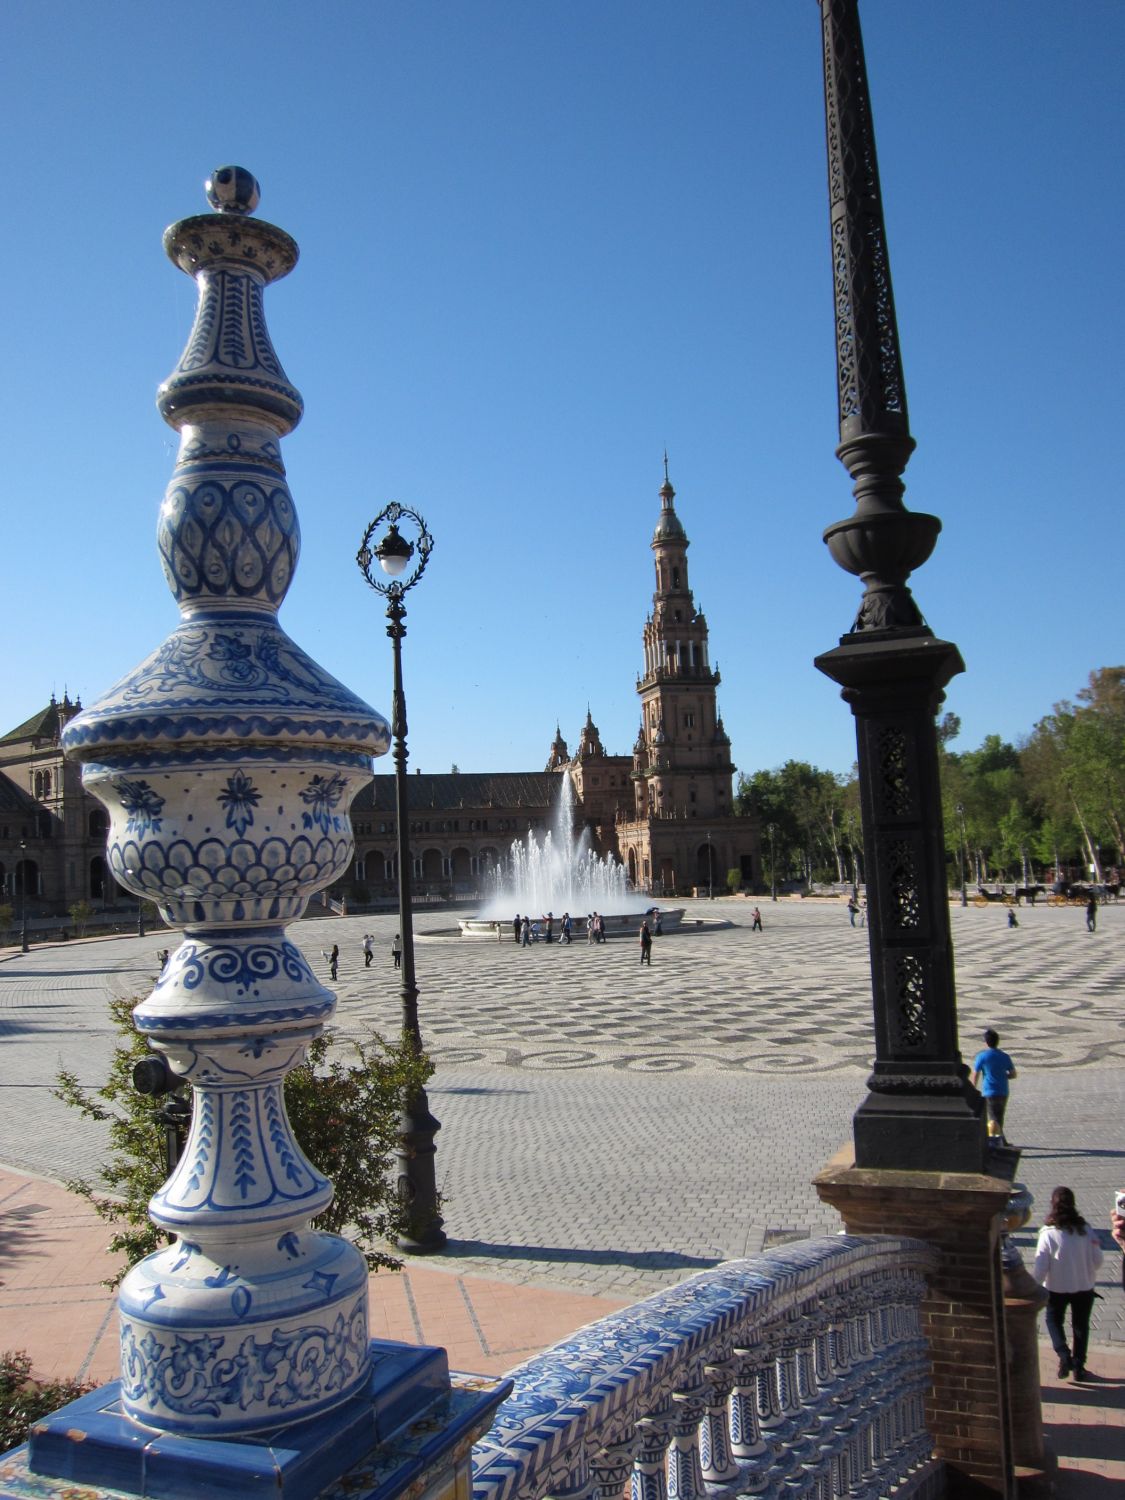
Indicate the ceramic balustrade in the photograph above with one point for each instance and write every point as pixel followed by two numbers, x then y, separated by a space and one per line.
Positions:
pixel 799 1373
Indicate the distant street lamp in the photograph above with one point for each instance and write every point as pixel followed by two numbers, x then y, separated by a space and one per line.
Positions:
pixel 771 829
pixel 422 1232
pixel 23 896
pixel 710 869
pixel 960 811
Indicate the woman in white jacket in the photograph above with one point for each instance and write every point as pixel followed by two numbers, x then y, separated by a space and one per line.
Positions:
pixel 1067 1258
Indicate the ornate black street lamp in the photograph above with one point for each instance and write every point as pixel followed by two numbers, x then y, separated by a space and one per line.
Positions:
pixel 23 896
pixel 771 829
pixel 921 1113
pixel 422 1232
pixel 960 810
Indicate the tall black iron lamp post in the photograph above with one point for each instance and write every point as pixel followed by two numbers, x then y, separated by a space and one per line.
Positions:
pixel 422 1232
pixel 921 1113
pixel 23 896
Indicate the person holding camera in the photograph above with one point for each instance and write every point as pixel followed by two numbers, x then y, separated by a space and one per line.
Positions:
pixel 1117 1229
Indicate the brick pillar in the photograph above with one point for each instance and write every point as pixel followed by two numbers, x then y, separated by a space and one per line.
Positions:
pixel 961 1214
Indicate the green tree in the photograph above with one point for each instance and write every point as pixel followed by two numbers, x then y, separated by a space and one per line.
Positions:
pixel 808 809
pixel 80 914
pixel 1074 761
pixel 345 1111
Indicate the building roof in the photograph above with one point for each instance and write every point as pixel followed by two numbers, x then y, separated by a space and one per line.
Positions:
pixel 13 799
pixel 461 789
pixel 47 724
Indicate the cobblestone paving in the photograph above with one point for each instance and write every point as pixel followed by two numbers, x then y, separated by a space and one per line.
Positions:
pixel 610 1128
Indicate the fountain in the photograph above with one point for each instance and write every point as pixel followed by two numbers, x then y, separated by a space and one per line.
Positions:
pixel 562 874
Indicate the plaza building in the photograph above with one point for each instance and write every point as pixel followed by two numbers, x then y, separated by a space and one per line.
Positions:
pixel 665 810
pixel 52 832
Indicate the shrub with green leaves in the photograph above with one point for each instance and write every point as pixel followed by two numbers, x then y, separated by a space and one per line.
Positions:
pixel 80 914
pixel 24 1400
pixel 344 1103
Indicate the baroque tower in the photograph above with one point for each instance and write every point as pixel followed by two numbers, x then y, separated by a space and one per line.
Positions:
pixel 682 763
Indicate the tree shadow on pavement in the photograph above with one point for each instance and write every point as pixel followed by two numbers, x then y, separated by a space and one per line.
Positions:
pixel 636 1260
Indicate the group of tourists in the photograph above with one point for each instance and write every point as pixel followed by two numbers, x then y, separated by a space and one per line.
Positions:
pixel 332 957
pixel 528 929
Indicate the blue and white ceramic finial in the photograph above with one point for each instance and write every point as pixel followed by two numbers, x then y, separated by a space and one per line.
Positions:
pixel 232 190
pixel 228 761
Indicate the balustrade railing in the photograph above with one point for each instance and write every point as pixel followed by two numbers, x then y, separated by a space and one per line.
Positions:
pixel 800 1372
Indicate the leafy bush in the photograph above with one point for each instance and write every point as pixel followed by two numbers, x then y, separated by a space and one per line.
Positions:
pixel 24 1400
pixel 734 881
pixel 80 914
pixel 344 1110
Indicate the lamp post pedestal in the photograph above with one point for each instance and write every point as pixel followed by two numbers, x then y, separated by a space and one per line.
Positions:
pixel 921 1112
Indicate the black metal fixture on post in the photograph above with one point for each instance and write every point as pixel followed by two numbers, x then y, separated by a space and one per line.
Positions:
pixel 961 818
pixel 23 896
pixel 153 1077
pixel 921 1113
pixel 422 1233
pixel 771 829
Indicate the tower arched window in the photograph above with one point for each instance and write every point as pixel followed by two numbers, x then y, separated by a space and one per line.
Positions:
pixel 676 579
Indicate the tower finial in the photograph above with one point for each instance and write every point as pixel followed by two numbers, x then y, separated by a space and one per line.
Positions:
pixel 666 479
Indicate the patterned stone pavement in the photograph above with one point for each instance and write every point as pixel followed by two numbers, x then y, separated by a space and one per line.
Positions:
pixel 610 1129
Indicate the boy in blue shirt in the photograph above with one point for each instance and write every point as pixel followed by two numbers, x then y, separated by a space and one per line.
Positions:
pixel 996 1068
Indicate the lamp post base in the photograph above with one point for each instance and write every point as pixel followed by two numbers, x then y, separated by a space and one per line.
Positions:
pixel 411 1427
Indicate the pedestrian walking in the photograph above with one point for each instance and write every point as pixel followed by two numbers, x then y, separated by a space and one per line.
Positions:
pixel 646 944
pixel 1012 922
pixel 535 931
pixel 396 950
pixel 853 909
pixel 549 926
pixel 525 931
pixel 658 924
pixel 1067 1258
pixel 1092 914
pixel 566 927
pixel 589 927
pixel 516 924
pixel 756 924
pixel 368 949
pixel 334 961
pixel 995 1068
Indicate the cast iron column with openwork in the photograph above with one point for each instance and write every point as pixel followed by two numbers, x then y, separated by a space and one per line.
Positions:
pixel 921 1112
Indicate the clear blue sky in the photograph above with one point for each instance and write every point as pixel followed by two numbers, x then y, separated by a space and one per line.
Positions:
pixel 540 243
